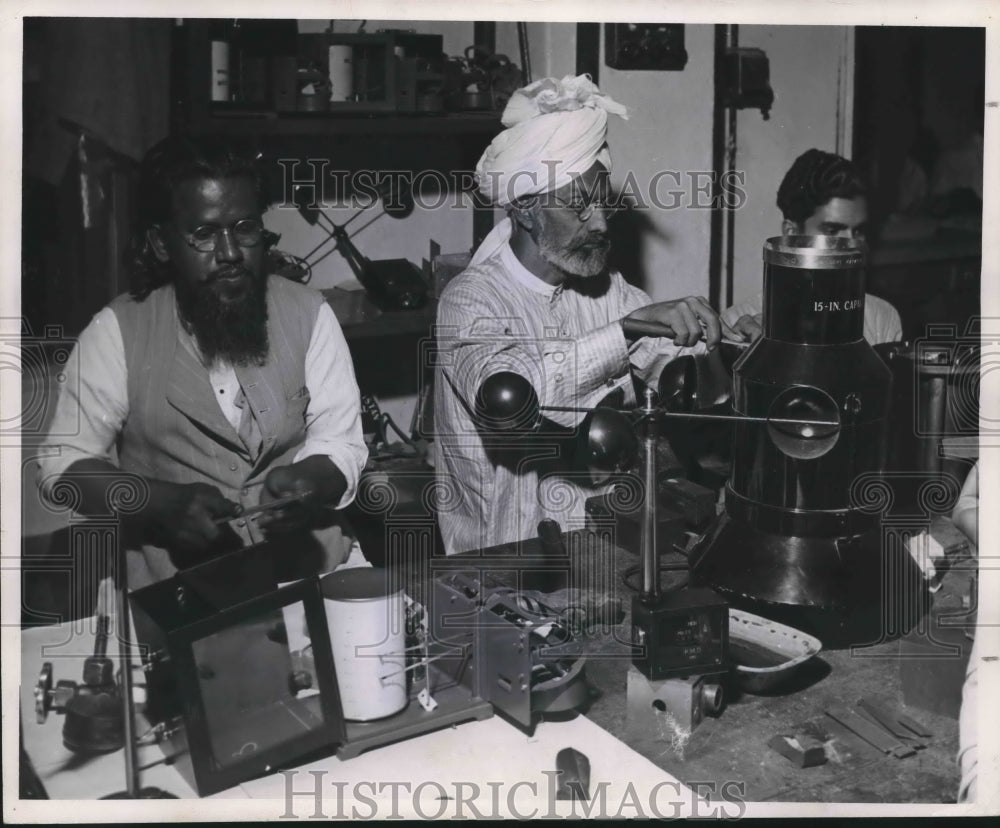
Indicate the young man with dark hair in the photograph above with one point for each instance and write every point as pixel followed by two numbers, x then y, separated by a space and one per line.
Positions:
pixel 823 194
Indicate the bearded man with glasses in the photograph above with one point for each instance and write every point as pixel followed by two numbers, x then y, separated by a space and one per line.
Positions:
pixel 538 300
pixel 213 386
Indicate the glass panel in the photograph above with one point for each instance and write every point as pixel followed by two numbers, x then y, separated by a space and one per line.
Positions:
pixel 254 687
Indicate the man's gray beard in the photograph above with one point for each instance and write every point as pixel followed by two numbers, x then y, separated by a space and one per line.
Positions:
pixel 233 332
pixel 585 262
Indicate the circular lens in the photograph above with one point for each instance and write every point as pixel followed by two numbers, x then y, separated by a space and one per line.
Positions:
pixel 804 422
pixel 711 698
pixel 248 232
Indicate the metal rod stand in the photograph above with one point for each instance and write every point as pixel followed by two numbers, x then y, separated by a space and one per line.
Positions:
pixel 648 550
pixel 123 631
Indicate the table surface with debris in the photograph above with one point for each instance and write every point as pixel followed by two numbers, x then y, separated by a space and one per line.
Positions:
pixel 918 675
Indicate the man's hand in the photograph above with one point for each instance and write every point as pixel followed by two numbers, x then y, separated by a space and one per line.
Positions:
pixel 684 320
pixel 316 478
pixel 184 515
pixel 180 516
pixel 748 328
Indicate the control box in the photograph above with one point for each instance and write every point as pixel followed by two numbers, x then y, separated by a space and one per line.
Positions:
pixel 680 633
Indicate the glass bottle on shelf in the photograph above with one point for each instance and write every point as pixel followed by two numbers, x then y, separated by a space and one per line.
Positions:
pixel 220 37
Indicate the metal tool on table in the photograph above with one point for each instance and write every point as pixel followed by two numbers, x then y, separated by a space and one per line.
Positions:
pixel 679 639
pixel 810 399
pixel 871 732
pixel 527 660
pixel 904 728
pixel 680 636
pixel 573 769
pixel 100 712
pixel 271 505
pixel 92 709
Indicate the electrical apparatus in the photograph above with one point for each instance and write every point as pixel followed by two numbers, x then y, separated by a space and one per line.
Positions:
pixel 800 540
pixel 242 677
pixel 392 284
pixel 684 702
pixel 224 690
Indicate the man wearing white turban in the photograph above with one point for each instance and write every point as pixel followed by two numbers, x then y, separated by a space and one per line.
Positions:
pixel 538 300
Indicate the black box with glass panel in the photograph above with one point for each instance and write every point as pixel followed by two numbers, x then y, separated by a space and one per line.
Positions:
pixel 233 700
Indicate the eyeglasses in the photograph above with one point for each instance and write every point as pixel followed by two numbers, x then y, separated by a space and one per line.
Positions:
pixel 585 209
pixel 205 239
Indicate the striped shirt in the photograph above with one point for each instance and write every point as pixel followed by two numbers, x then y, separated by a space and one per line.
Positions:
pixel 567 340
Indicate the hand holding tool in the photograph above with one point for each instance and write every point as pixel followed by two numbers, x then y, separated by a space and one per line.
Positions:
pixel 265 507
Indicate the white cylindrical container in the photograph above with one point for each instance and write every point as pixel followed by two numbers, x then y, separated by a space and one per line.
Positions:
pixel 366 621
pixel 341 61
pixel 220 70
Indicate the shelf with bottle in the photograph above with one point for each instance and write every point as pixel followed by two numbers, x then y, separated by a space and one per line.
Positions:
pixel 291 84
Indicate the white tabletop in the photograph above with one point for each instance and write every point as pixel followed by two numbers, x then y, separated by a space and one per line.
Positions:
pixel 477 768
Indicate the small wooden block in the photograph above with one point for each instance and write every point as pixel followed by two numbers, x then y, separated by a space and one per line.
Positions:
pixel 802 749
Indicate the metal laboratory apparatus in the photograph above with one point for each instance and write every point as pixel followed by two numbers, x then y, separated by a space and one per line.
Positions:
pixel 800 541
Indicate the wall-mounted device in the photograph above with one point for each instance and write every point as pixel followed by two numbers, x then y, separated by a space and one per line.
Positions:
pixel 747 81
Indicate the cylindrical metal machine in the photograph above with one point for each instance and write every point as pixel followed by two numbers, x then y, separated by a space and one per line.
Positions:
pixel 795 544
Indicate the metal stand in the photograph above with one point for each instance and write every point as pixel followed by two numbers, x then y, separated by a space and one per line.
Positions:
pixel 648 551
pixel 123 631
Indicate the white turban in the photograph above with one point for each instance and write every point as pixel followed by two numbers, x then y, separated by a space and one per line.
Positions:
pixel 556 129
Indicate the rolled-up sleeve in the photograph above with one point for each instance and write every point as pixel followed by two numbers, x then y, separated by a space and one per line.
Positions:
pixel 92 404
pixel 333 417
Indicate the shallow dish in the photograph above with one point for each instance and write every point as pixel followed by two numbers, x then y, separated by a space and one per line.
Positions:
pixel 765 653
